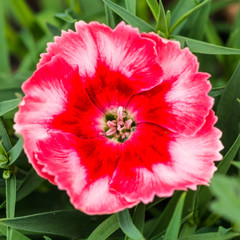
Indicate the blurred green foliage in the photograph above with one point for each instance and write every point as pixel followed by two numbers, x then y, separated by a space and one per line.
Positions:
pixel 211 29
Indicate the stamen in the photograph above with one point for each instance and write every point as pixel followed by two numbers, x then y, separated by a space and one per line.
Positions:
pixel 111 131
pixel 111 124
pixel 120 114
pixel 120 128
pixel 128 123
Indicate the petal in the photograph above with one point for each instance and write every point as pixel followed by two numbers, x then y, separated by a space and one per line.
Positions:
pixel 31 135
pixel 162 162
pixel 83 168
pixel 113 64
pixel 179 104
pixel 173 60
pixel 56 99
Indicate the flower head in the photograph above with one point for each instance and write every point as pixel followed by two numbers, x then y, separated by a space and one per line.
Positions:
pixel 115 117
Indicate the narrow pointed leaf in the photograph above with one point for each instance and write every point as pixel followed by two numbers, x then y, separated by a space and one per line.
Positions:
pixel 15 152
pixel 9 105
pixel 186 15
pixel 128 17
pixel 131 6
pixel 197 46
pixel 23 12
pixel 105 229
pixel 236 164
pixel 181 7
pixel 198 20
pixel 228 111
pixel 4 136
pixel 163 220
pixel 109 17
pixel 127 225
pixel 66 17
pixel 139 217
pixel 153 5
pixel 4 56
pixel 29 184
pixel 68 223
pixel 162 21
pixel 175 223
pixel 15 234
pixel 224 165
pixel 217 91
pixel 210 236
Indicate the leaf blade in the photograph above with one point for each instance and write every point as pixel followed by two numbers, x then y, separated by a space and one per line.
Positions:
pixel 175 222
pixel 8 105
pixel 228 111
pixel 127 225
pixel 105 229
pixel 131 6
pixel 128 17
pixel 197 46
pixel 60 223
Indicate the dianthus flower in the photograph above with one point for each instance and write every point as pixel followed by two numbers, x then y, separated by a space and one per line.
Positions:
pixel 115 117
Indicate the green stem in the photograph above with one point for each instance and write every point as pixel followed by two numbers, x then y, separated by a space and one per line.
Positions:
pixel 10 201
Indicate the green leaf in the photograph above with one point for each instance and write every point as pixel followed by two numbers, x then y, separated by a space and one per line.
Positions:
pixel 4 136
pixel 54 30
pixel 23 13
pixel 153 5
pixel 217 91
pixel 199 21
pixel 109 17
pixel 197 46
pixel 127 225
pixel 68 223
pixel 236 164
pixel 47 238
pixel 162 20
pixel 227 193
pixel 9 105
pixel 15 234
pixel 175 223
pixel 30 43
pixel 15 152
pixel 228 111
pixel 186 15
pixel 213 37
pixel 131 6
pixel 10 202
pixel 105 229
pixel 4 55
pixel 128 17
pixel 210 236
pixel 29 184
pixel 139 216
pixel 224 165
pixel 161 223
pixel 66 17
pixel 182 6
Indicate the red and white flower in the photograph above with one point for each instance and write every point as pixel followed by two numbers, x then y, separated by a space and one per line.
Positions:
pixel 115 117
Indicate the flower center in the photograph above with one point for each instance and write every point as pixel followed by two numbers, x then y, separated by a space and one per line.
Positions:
pixel 119 125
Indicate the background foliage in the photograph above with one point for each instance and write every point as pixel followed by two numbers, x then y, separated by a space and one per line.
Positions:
pixel 31 208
